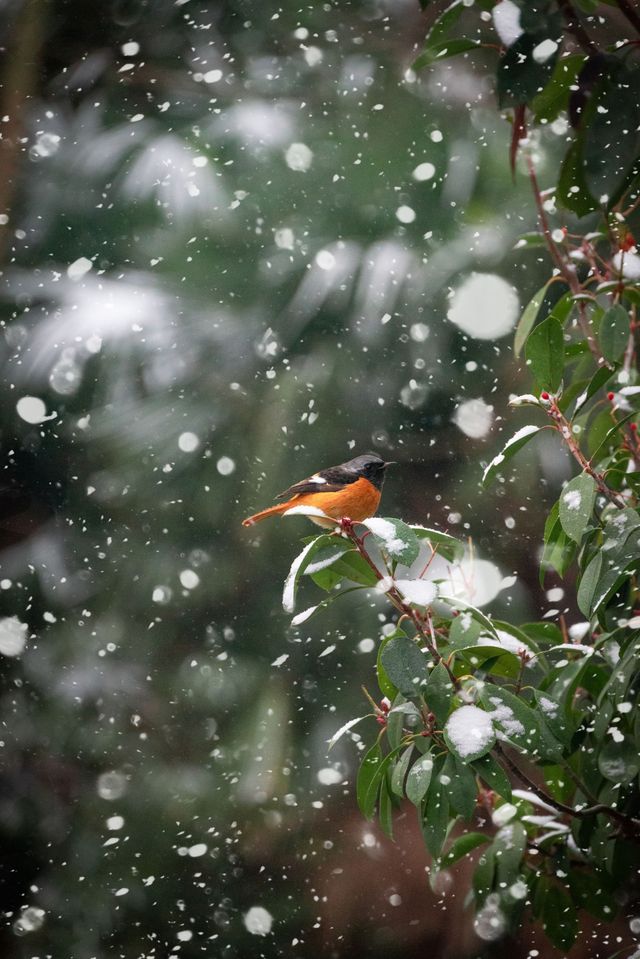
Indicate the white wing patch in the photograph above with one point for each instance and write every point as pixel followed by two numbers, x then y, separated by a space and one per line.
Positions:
pixel 316 478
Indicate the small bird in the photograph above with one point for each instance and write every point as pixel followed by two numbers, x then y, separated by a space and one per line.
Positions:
pixel 352 490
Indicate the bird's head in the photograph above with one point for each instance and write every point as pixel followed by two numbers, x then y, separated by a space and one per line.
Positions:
pixel 371 466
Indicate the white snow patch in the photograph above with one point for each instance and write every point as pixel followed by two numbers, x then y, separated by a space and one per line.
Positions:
pixel 543 51
pixel 319 564
pixel 548 707
pixel 572 499
pixel 299 157
pixel 329 776
pixel 505 641
pixel 504 716
pixel 79 267
pixel 484 306
pixel 258 921
pixel 288 593
pixel 474 418
pixel 385 531
pixel 225 466
pixel 506 20
pixel 424 171
pixel 418 591
pixel 503 814
pixel 473 581
pixel 32 410
pixel 628 264
pixel 302 617
pixel 469 729
pixel 13 636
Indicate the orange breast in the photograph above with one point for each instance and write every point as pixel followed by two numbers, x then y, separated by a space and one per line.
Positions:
pixel 358 501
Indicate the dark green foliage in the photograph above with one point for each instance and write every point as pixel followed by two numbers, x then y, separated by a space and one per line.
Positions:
pixel 499 698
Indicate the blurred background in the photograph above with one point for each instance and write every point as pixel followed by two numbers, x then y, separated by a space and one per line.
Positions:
pixel 239 242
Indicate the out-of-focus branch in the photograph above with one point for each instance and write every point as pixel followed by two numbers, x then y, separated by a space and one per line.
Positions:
pixel 18 86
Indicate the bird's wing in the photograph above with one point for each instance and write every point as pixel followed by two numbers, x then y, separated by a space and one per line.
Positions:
pixel 326 481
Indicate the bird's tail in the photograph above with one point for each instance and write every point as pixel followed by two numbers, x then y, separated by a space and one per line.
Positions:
pixel 272 511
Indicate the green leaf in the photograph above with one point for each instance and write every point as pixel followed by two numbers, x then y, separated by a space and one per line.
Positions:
pixel 484 874
pixel 419 779
pixel 520 76
pixel 598 380
pixel 439 692
pixel 555 717
pixel 619 762
pixel 462 846
pixel 459 605
pixel 464 631
pixel 610 127
pixel 572 191
pixel 555 96
pixel 614 333
pixel 387 688
pixel 509 845
pixel 593 891
pixel 544 352
pixel 385 811
pixel 399 773
pixel 609 435
pixel 528 318
pixel 368 774
pixel 517 441
pixel 353 567
pixel 436 818
pixel 444 50
pixel 404 664
pixel 559 916
pixel 588 585
pixel 559 549
pixel 462 788
pixel 442 25
pixel 447 546
pixel 576 505
pixel 395 538
pixel 492 773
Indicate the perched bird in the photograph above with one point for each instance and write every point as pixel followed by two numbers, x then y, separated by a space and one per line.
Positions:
pixel 352 489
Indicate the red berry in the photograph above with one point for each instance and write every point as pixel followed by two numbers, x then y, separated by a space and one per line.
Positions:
pixel 634 427
pixel 611 396
pixel 544 395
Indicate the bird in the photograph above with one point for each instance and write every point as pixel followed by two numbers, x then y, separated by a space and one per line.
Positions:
pixel 352 490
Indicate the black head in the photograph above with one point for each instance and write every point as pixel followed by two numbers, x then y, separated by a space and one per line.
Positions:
pixel 369 465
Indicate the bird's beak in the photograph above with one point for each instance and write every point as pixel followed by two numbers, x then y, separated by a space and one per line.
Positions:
pixel 391 463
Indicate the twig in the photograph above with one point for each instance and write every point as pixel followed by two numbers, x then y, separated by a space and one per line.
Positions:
pixel 565 268
pixel 575 27
pixel 564 428
pixel 628 822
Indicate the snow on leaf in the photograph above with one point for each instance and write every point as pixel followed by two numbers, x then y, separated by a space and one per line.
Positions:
pixel 512 446
pixel 289 591
pixel 469 732
pixel 419 592
pixel 345 729
pixel 303 616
